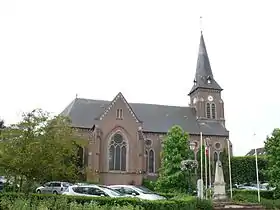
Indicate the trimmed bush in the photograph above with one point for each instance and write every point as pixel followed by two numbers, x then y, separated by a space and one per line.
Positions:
pixel 59 202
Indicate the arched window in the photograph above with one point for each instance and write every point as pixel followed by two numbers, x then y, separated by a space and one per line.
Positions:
pixel 151 168
pixel 220 156
pixel 147 160
pixel 213 111
pixel 208 110
pixel 117 153
pixel 215 157
pixel 80 160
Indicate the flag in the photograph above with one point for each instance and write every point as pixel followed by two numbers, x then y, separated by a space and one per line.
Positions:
pixel 206 151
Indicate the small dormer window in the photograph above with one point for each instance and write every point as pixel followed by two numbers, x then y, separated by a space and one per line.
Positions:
pixel 119 114
pixel 194 82
pixel 209 80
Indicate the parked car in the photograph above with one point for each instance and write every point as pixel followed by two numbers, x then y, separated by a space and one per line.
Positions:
pixel 54 187
pixel 262 187
pixel 137 191
pixel 92 190
pixel 267 186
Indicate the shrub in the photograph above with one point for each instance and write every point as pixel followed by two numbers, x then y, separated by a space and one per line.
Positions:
pixel 149 184
pixel 60 202
pixel 252 197
pixel 168 195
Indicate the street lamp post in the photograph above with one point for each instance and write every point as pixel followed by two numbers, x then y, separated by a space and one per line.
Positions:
pixel 192 146
pixel 188 165
pixel 229 166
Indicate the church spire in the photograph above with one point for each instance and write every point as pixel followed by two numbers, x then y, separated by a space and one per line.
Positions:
pixel 204 77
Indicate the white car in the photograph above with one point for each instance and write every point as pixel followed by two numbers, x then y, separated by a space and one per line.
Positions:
pixel 53 187
pixel 254 187
pixel 92 190
pixel 137 191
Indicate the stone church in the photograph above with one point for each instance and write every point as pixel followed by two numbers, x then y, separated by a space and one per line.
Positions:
pixel 124 139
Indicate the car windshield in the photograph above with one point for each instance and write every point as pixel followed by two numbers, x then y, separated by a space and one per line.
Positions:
pixel 110 191
pixel 81 183
pixel 144 190
pixel 66 184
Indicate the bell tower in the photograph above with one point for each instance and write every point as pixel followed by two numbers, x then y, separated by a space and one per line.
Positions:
pixel 205 94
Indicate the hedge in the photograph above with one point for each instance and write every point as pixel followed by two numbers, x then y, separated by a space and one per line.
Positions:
pixel 244 169
pixel 171 204
pixel 267 194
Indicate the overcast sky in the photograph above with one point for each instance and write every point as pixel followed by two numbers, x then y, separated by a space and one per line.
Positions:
pixel 52 50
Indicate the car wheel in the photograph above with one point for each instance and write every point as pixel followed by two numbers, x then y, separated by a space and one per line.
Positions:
pixel 39 191
pixel 55 193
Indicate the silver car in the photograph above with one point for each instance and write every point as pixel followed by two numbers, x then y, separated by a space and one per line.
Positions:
pixel 92 190
pixel 53 187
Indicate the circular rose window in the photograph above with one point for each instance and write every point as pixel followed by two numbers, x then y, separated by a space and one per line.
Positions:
pixel 218 145
pixel 148 142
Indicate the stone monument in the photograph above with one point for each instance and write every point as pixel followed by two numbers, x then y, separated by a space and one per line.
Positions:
pixel 219 183
pixel 200 188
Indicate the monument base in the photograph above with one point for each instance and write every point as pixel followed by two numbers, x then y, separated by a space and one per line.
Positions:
pixel 220 197
pixel 219 192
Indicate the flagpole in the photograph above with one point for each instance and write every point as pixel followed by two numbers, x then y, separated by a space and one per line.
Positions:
pixel 229 168
pixel 205 155
pixel 201 162
pixel 257 172
pixel 209 165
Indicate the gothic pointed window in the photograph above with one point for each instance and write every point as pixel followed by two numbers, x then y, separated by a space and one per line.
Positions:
pixel 80 161
pixel 215 157
pixel 220 156
pixel 117 153
pixel 151 168
pixel 147 160
pixel 213 111
pixel 208 111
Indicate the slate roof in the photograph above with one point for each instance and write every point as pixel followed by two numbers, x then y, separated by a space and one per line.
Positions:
pixel 203 70
pixel 155 118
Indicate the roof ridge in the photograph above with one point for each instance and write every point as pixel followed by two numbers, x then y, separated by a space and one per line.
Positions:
pixel 68 109
pixel 90 99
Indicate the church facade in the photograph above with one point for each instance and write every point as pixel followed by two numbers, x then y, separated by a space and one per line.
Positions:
pixel 124 139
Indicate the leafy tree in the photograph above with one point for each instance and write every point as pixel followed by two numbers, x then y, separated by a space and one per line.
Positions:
pixel 40 148
pixel 175 149
pixel 272 148
pixel 2 126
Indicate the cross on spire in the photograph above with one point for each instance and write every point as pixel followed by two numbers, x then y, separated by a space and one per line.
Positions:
pixel 200 24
